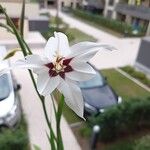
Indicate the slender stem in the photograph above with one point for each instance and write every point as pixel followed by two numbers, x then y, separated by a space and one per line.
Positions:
pixel 58 120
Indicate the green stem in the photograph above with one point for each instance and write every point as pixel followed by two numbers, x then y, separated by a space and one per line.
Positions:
pixel 58 120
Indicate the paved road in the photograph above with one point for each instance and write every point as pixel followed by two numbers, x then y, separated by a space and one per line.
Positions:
pixel 127 48
pixel 35 117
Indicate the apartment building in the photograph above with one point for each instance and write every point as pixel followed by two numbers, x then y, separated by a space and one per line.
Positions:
pixel 134 12
pixel 62 3
pixel 109 9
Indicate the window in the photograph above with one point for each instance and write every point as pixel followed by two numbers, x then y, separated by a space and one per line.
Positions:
pixel 111 2
pixel 15 21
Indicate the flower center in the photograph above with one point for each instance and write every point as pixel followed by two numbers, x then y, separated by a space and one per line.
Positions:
pixel 59 67
pixel 58 64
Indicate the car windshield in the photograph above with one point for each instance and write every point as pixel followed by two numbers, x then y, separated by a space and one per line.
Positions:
pixel 96 81
pixel 4 87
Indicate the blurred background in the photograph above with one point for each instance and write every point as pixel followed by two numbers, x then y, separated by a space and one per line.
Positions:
pixel 117 100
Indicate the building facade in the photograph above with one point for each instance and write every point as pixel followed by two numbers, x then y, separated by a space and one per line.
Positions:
pixel 109 9
pixel 133 12
pixel 61 3
pixel 143 61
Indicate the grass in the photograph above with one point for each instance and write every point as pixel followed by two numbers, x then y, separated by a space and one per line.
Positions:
pixel 124 86
pixel 80 36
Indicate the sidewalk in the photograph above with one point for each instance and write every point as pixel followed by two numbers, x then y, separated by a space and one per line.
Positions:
pixel 35 117
pixel 127 48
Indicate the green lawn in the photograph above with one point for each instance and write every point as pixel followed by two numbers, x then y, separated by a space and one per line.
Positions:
pixel 79 36
pixel 124 86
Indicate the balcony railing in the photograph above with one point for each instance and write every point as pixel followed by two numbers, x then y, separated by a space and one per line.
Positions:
pixel 132 10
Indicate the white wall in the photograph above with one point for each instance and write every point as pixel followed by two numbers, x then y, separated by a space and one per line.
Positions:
pixel 14 9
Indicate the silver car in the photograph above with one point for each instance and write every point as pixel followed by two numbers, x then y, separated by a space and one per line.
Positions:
pixel 10 107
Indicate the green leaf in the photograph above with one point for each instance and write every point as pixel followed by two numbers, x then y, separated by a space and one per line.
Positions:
pixel 6 27
pixel 36 147
pixel 22 18
pixel 51 141
pixel 11 53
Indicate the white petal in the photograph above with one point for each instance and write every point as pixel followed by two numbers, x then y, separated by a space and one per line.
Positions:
pixel 85 57
pixel 63 44
pixel 46 84
pixel 79 76
pixel 82 67
pixel 50 48
pixel 85 47
pixel 58 44
pixel 73 97
pixel 34 59
pixel 20 64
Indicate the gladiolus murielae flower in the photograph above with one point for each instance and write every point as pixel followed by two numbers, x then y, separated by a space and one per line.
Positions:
pixel 62 66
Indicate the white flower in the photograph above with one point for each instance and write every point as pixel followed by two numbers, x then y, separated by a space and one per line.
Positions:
pixel 61 66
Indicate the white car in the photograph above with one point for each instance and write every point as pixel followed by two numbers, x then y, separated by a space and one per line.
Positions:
pixel 10 107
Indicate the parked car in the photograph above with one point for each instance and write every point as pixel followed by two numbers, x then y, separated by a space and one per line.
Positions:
pixel 98 95
pixel 10 107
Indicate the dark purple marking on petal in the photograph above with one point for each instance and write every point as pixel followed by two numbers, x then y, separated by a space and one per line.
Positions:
pixel 67 61
pixel 50 65
pixel 62 74
pixel 68 69
pixel 52 73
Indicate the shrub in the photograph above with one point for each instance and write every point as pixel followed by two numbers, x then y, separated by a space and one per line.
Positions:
pixel 143 143
pixel 14 139
pixel 137 74
pixel 128 69
pixel 115 25
pixel 128 117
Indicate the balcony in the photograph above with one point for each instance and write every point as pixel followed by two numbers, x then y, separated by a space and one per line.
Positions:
pixel 132 10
